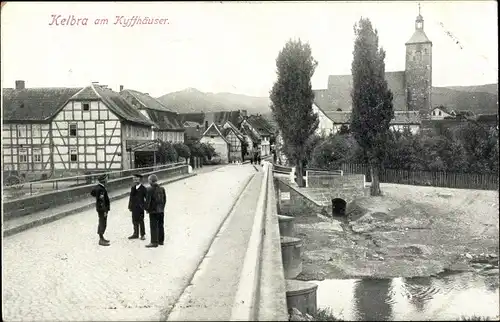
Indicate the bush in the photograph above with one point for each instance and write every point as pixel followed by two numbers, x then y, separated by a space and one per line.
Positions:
pixel 166 153
pixel 208 151
pixel 182 150
pixel 470 148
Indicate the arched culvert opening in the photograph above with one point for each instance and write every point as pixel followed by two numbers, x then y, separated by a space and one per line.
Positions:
pixel 338 207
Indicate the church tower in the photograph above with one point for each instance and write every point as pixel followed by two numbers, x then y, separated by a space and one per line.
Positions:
pixel 418 70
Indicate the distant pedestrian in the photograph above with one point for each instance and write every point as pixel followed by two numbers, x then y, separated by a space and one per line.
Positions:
pixel 102 206
pixel 156 200
pixel 258 158
pixel 136 203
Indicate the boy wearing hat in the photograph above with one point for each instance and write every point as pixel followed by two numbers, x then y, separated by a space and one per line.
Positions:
pixel 102 206
pixel 136 206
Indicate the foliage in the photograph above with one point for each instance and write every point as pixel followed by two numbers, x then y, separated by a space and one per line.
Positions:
pixel 196 149
pixel 166 153
pixel 292 98
pixel 451 152
pixel 208 151
pixel 182 150
pixel 324 315
pixel 372 108
pixel 333 151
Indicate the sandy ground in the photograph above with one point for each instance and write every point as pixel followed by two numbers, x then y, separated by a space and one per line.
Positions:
pixel 410 231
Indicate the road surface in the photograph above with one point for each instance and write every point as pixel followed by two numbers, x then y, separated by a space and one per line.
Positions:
pixel 59 272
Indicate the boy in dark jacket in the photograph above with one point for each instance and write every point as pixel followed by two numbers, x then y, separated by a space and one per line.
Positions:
pixel 136 204
pixel 102 206
pixel 155 205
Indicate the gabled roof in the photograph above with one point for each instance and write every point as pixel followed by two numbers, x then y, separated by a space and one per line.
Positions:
pixel 118 105
pixel 215 130
pixel 252 133
pixel 34 104
pixel 234 129
pixel 338 94
pixel 146 100
pixel 235 117
pixel 191 124
pixel 193 117
pixel 444 109
pixel 158 113
pixel 260 124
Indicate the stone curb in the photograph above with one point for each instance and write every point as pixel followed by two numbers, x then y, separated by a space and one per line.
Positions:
pixel 46 220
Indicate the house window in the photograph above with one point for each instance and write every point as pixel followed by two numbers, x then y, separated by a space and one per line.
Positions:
pixel 73 154
pixel 86 106
pixel 37 155
pixel 23 155
pixel 36 131
pixel 21 131
pixel 439 113
pixel 72 129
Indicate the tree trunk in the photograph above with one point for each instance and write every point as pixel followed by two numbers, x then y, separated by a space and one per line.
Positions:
pixel 375 186
pixel 298 173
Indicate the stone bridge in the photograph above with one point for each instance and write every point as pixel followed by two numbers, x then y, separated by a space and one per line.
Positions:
pixel 222 258
pixel 327 193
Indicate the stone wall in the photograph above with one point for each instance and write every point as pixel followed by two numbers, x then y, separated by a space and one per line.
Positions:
pixel 289 198
pixel 344 181
pixel 28 205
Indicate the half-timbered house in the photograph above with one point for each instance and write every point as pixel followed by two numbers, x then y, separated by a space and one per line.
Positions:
pixel 214 136
pixel 258 126
pixel 236 141
pixel 168 126
pixel 93 130
pixel 26 130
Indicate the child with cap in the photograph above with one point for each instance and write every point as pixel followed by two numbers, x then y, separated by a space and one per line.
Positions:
pixel 102 206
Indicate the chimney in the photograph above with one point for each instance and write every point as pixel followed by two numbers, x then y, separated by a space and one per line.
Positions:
pixel 146 93
pixel 20 84
pixel 121 88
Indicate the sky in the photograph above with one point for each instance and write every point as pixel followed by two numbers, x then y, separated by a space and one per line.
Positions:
pixel 232 47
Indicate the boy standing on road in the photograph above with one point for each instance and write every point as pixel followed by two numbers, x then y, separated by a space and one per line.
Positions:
pixel 136 204
pixel 102 206
pixel 155 205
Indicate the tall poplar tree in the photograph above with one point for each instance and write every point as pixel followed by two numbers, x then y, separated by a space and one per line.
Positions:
pixel 372 108
pixel 291 101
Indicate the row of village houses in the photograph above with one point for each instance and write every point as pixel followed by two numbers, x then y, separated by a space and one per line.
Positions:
pixel 52 132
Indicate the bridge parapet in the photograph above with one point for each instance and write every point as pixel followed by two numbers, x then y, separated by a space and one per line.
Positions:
pixel 27 205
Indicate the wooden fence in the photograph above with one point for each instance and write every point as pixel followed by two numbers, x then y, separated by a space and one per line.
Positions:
pixel 428 178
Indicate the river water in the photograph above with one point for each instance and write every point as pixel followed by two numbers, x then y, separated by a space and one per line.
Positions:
pixel 447 297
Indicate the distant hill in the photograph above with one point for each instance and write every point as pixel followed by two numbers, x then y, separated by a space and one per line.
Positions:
pixel 481 99
pixel 193 100
pixel 488 88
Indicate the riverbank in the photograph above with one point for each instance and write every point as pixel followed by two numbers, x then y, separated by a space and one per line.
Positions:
pixel 410 231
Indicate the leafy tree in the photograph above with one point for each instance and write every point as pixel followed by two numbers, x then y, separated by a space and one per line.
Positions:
pixel 208 151
pixel 182 150
pixel 195 148
pixel 292 98
pixel 166 153
pixel 371 99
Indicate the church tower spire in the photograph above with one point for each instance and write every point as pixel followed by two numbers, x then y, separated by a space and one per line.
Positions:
pixel 418 71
